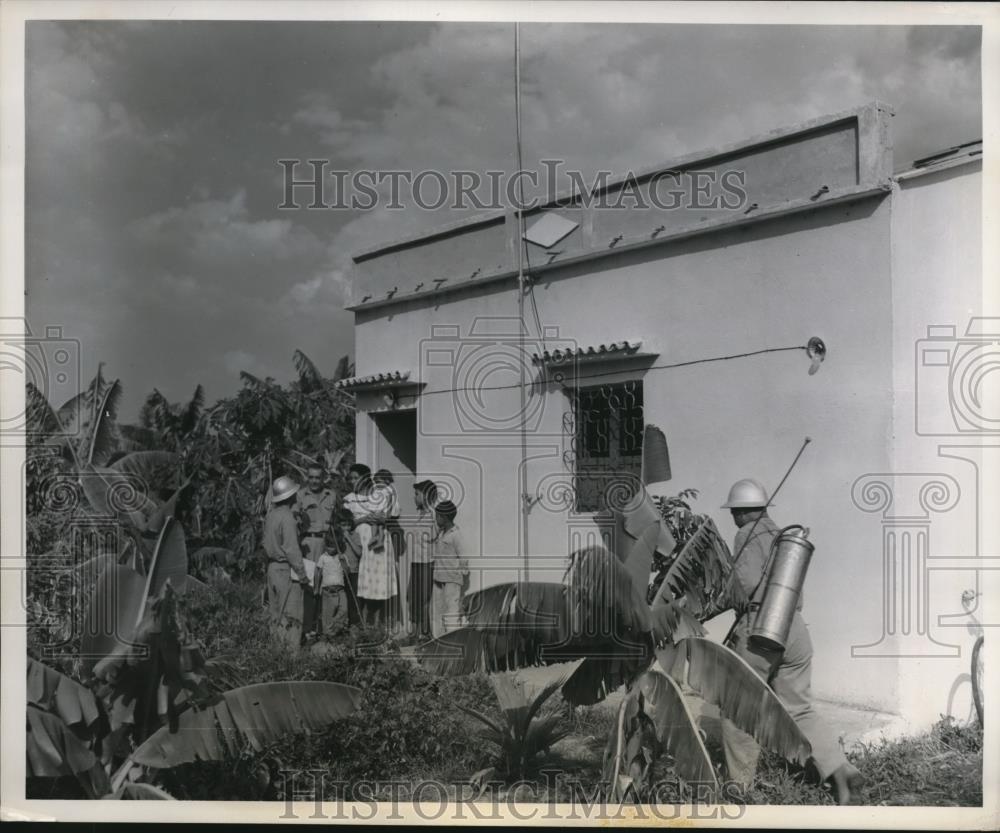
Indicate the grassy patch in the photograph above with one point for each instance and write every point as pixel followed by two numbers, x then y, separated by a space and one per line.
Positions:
pixel 408 731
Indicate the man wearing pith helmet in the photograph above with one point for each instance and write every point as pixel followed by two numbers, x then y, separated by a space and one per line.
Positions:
pixel 286 572
pixel 788 672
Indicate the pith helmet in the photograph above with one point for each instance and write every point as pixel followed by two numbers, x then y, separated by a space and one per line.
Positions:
pixel 746 494
pixel 283 488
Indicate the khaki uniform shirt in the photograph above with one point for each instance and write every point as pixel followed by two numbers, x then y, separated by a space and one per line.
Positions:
pixel 281 538
pixel 752 561
pixel 424 533
pixel 449 561
pixel 318 507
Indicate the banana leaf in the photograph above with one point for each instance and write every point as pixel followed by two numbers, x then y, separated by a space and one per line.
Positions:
pixel 638 515
pixel 113 494
pixel 676 728
pixel 78 415
pixel 624 762
pixel 53 751
pixel 603 600
pixel 510 626
pixel 595 613
pixel 159 470
pixel 103 432
pixel 169 560
pixel 597 677
pixel 257 715
pixel 671 622
pixel 157 518
pixel 722 677
pixel 639 563
pixel 701 571
pixel 74 704
pixel 113 614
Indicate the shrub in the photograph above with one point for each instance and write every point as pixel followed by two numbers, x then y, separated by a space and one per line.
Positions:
pixel 407 727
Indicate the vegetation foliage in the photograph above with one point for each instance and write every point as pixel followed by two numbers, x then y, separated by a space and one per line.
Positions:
pixel 183 693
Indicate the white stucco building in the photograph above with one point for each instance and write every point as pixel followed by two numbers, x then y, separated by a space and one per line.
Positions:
pixel 680 316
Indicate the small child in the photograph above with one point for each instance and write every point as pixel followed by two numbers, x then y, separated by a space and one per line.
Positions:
pixel 328 586
pixel 368 499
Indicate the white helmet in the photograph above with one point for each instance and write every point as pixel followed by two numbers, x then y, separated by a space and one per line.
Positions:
pixel 283 488
pixel 746 494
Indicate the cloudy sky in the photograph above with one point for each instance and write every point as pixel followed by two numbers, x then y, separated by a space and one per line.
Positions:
pixel 153 229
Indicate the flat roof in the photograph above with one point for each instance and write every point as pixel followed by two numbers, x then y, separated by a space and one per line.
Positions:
pixel 953 157
pixel 775 136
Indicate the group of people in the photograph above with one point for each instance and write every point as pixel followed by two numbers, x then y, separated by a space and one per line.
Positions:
pixel 335 564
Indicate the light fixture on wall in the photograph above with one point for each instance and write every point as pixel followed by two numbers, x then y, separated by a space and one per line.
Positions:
pixel 815 350
pixel 390 399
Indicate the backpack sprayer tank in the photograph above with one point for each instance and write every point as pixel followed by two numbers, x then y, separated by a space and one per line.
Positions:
pixel 789 563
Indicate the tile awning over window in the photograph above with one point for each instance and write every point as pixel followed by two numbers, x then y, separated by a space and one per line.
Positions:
pixel 611 350
pixel 388 379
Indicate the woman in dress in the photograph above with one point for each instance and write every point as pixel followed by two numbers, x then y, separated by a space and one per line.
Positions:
pixel 387 498
pixel 377 584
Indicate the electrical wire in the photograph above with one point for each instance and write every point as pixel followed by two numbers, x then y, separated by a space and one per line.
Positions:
pixel 575 377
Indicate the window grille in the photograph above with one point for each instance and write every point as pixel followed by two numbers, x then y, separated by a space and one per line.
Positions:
pixel 605 427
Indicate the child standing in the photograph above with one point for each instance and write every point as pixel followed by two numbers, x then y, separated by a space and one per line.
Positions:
pixel 450 570
pixel 329 586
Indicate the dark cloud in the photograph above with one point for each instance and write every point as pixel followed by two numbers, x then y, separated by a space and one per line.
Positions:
pixel 153 233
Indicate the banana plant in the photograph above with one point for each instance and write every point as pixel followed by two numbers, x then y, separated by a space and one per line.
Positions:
pixel 139 489
pixel 151 700
pixel 599 614
pixel 84 427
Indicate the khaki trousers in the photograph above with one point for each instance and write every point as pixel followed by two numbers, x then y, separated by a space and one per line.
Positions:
pixel 333 610
pixel 446 605
pixel 284 603
pixel 789 674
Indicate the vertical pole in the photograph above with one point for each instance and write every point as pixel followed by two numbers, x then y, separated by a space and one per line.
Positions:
pixel 519 217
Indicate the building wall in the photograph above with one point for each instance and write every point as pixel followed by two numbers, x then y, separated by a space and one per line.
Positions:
pixel 937 280
pixel 826 272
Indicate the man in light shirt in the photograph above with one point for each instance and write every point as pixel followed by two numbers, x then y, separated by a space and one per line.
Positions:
pixel 450 570
pixel 286 570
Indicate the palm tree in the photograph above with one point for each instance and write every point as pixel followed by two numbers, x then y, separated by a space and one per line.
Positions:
pixel 599 616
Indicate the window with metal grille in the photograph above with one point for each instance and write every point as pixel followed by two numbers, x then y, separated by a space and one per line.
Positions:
pixel 608 427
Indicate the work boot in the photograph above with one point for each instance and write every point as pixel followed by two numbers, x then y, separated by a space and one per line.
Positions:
pixel 847 783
